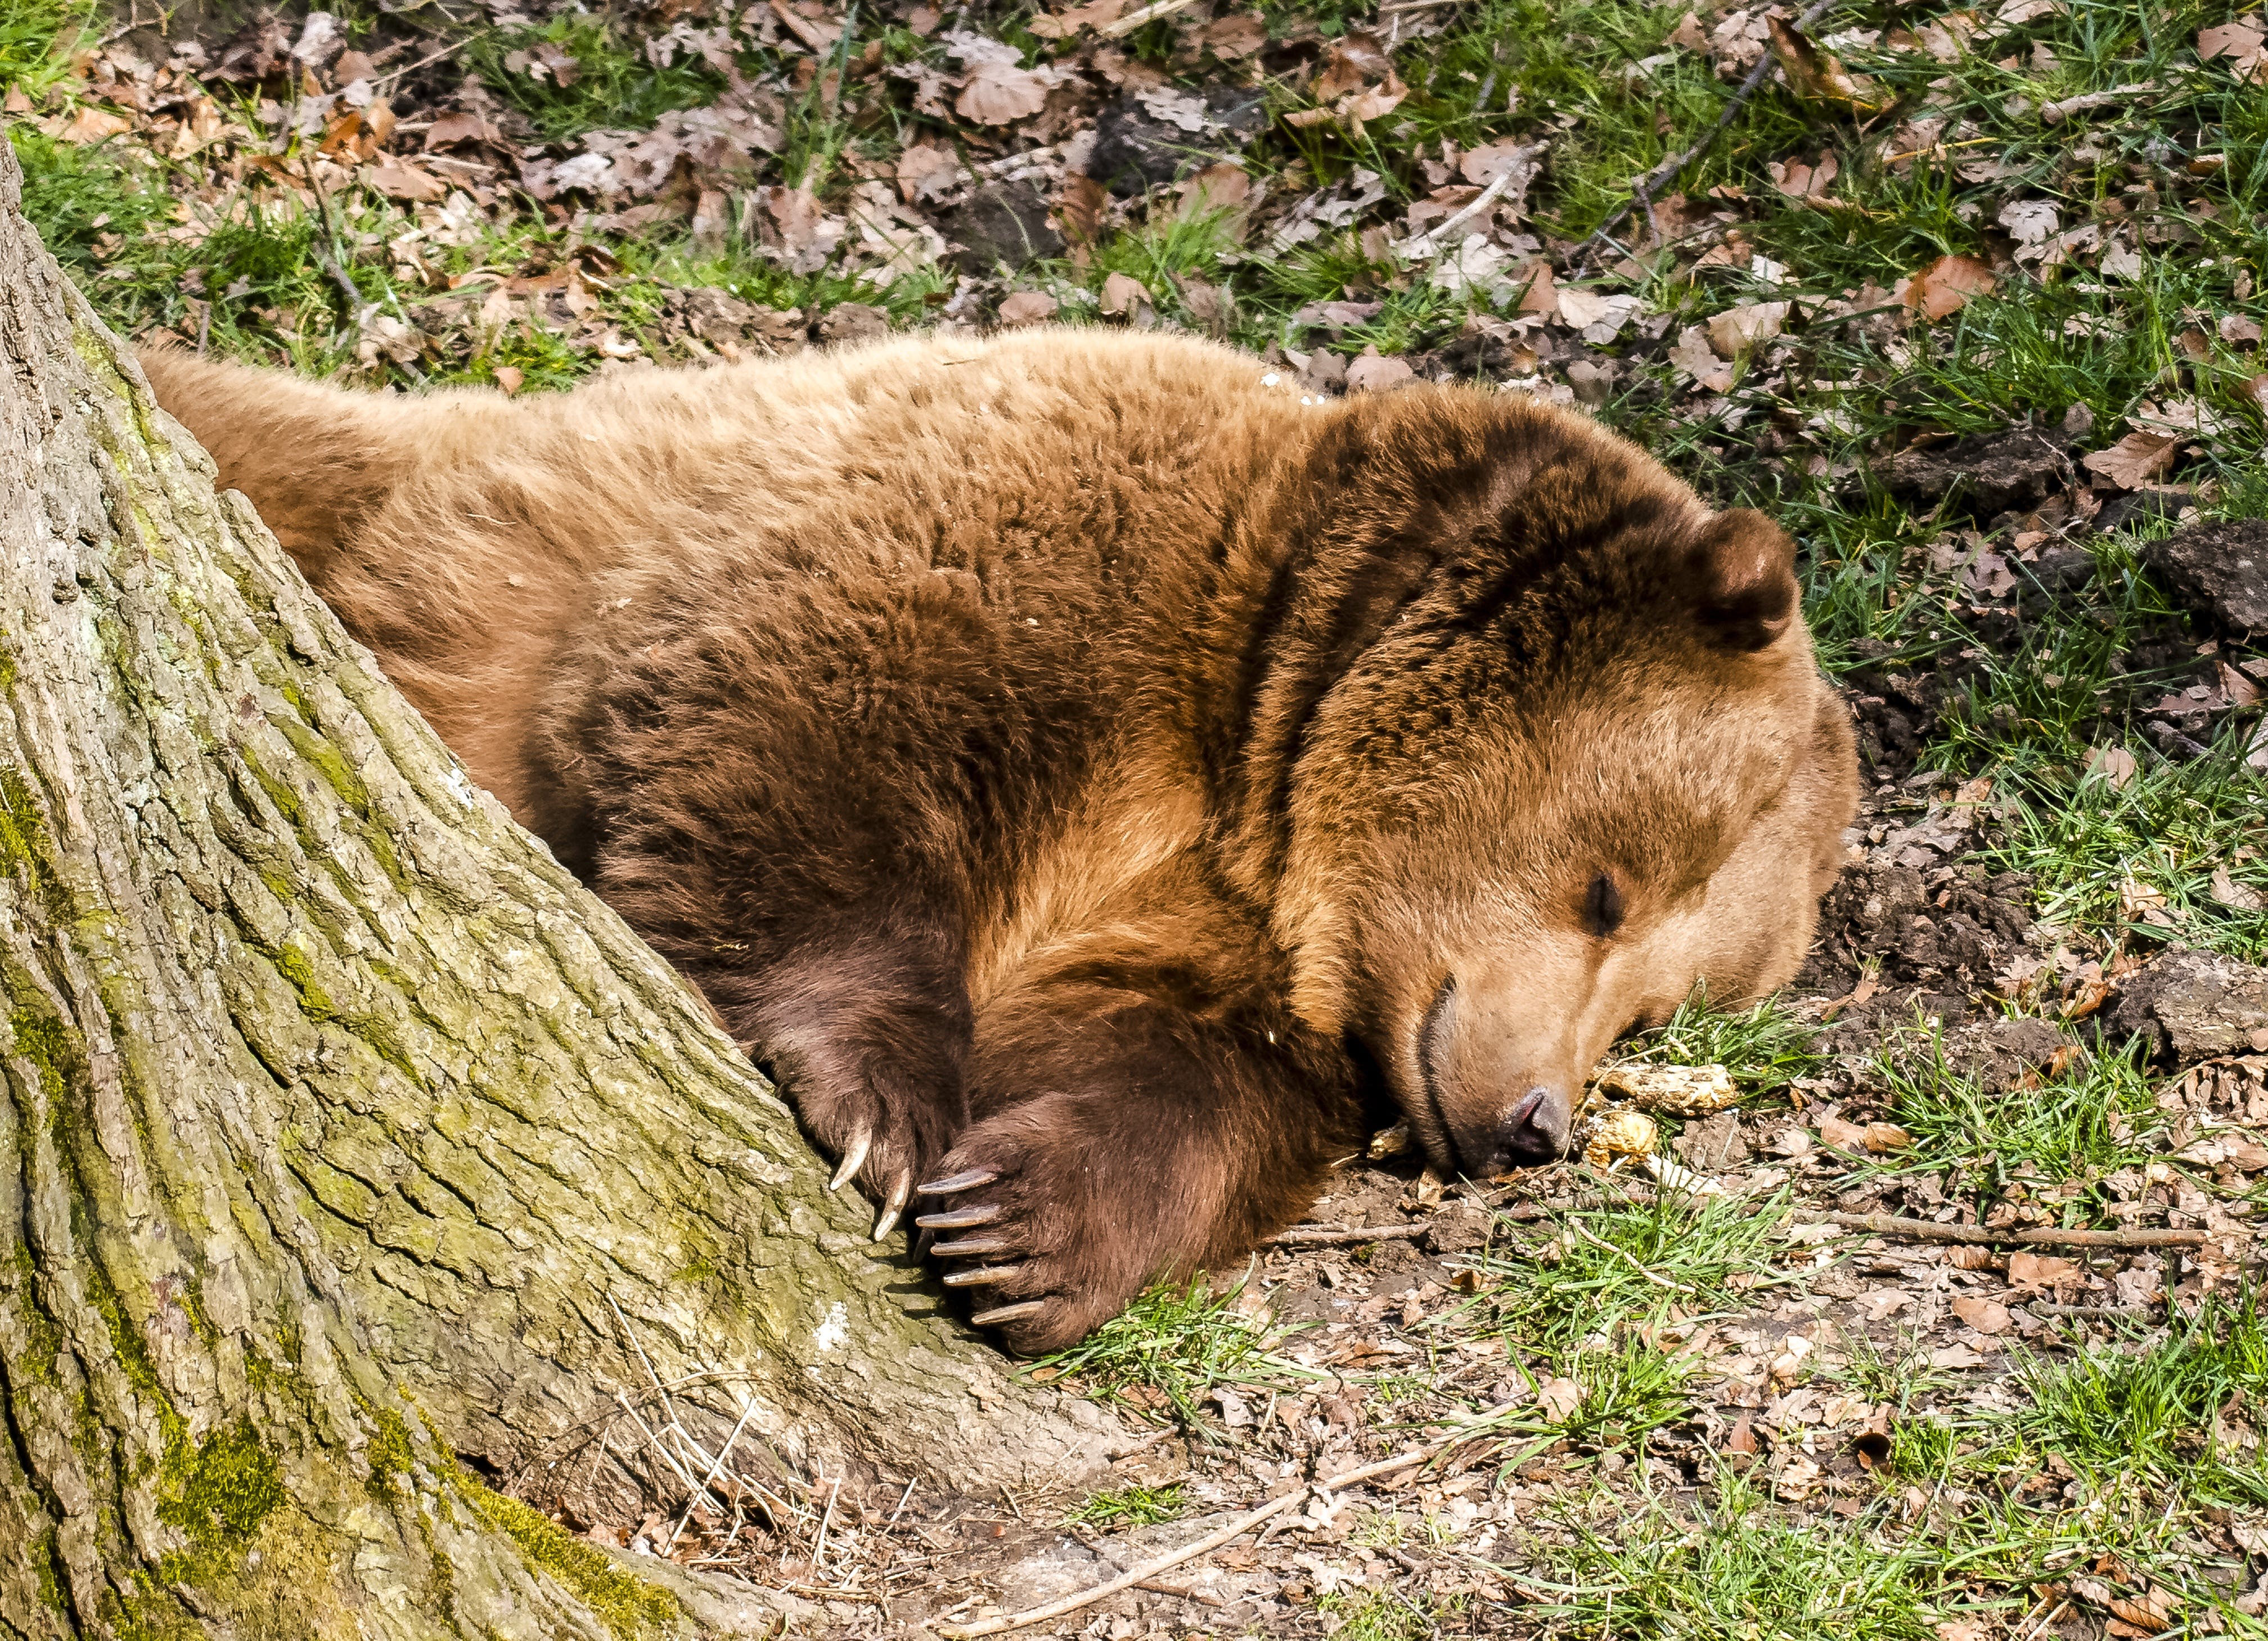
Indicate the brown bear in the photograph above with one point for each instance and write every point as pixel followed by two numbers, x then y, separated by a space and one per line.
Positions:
pixel 1079 766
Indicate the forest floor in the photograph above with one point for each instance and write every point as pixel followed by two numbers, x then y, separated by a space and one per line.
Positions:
pixel 1967 296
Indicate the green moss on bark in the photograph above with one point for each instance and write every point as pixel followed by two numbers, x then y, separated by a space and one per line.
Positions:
pixel 221 1490
pixel 628 1606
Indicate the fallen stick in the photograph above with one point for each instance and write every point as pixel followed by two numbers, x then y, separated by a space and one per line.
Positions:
pixel 1642 189
pixel 2036 1236
pixel 1149 1570
pixel 1345 1236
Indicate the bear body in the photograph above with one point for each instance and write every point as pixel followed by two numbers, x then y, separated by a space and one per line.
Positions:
pixel 1080 770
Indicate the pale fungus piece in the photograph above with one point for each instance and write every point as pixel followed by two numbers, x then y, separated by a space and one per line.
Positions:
pixel 1674 1091
pixel 1622 1133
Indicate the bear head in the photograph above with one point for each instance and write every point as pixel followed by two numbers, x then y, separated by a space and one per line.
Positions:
pixel 1534 745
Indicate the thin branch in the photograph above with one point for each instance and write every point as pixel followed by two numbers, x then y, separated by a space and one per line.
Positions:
pixel 1625 1254
pixel 2037 1236
pixel 1642 191
pixel 1149 1570
pixel 1345 1236
pixel 1424 244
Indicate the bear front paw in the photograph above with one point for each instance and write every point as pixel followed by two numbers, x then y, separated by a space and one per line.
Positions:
pixel 1049 1247
pixel 885 1150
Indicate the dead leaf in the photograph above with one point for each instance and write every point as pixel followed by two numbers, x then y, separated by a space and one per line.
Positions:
pixel 1079 207
pixel 2257 391
pixel 398 180
pixel 1983 1314
pixel 1955 1356
pixel 2234 894
pixel 1357 59
pixel 1744 1437
pixel 1557 1399
pixel 1230 38
pixel 91 124
pixel 1947 284
pixel 818 35
pixel 1962 1629
pixel 2134 461
pixel 1737 330
pixel 1373 374
pixel 2114 764
pixel 1028 308
pixel 1807 184
pixel 926 170
pixel 1123 295
pixel 2151 1613
pixel 1688 35
pixel 2038 1270
pixel 452 130
pixel 1001 94
pixel 1883 1137
pixel 1849 1137
pixel 511 379
pixel 2242 43
pixel 1819 77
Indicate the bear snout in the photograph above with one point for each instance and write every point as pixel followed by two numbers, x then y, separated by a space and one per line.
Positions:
pixel 1470 1067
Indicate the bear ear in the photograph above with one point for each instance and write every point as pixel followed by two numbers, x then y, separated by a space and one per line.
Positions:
pixel 1744 576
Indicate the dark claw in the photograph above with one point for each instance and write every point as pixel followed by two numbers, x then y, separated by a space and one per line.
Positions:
pixel 959 1218
pixel 970 1246
pixel 966 1180
pixel 1007 1313
pixel 981 1276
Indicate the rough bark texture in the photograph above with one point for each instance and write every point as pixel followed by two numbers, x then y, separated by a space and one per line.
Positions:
pixel 351 1151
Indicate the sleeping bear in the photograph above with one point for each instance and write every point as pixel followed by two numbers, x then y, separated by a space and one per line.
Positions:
pixel 1080 768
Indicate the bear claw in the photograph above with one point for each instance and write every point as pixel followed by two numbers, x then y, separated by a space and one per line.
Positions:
pixel 968 1180
pixel 960 1218
pixel 971 1247
pixel 887 1219
pixel 853 1155
pixel 980 1276
pixel 1007 1313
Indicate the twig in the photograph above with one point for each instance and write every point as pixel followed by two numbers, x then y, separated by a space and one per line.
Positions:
pixel 2094 1312
pixel 1189 1593
pixel 1642 190
pixel 1422 244
pixel 1413 5
pixel 2037 1236
pixel 1143 1445
pixel 715 1470
pixel 1344 1236
pixel 449 50
pixel 1626 1255
pixel 2056 112
pixel 818 1549
pixel 1214 1540
pixel 1133 20
pixel 667 1457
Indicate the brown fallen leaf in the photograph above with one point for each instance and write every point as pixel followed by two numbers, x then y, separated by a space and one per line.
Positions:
pixel 1001 94
pixel 1123 295
pixel 511 379
pixel 926 170
pixel 1849 1137
pixel 1080 208
pixel 91 124
pixel 1947 284
pixel 1737 330
pixel 2151 1613
pixel 1744 1437
pixel 1984 1315
pixel 2039 1270
pixel 1230 38
pixel 1357 59
pixel 1883 1137
pixel 1819 75
pixel 1557 1399
pixel 1806 184
pixel 2242 43
pixel 2257 391
pixel 1027 307
pixel 2134 461
pixel 1373 374
pixel 398 180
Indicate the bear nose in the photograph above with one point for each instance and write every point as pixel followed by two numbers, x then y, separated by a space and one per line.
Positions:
pixel 1534 1132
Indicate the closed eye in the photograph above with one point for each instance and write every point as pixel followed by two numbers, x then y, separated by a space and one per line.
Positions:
pixel 1602 905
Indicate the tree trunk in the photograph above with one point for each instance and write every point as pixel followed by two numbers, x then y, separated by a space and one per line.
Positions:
pixel 352 1156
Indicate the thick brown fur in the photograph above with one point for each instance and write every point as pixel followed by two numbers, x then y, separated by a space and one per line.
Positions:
pixel 1075 765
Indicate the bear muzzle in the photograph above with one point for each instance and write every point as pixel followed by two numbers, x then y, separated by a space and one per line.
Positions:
pixel 1483 1085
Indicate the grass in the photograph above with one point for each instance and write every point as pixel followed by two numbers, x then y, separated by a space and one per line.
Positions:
pixel 1130 1507
pixel 1172 1347
pixel 1731 1567
pixel 1764 1046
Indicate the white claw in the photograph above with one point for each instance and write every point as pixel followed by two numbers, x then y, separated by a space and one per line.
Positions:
pixel 887 1220
pixel 851 1158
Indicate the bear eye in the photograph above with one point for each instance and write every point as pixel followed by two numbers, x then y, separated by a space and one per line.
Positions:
pixel 1602 905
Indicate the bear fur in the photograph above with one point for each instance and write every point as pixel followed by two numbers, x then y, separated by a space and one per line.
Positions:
pixel 1080 769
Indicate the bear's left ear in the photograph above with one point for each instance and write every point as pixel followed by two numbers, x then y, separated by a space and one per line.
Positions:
pixel 1744 575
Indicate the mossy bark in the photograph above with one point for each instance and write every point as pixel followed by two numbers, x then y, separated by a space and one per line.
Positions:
pixel 349 1151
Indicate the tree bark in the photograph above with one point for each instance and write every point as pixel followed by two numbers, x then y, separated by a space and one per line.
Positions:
pixel 352 1156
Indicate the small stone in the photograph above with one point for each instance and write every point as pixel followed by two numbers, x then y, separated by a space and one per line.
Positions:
pixel 2218 571
pixel 1007 222
pixel 2188 1006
